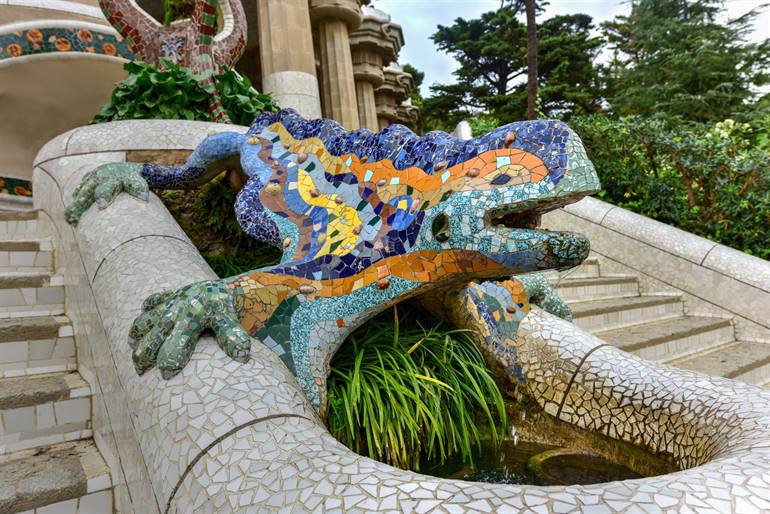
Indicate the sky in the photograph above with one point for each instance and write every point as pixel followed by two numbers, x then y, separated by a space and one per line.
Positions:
pixel 418 19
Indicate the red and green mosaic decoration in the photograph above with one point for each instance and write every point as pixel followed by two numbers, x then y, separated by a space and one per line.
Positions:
pixel 188 42
pixel 52 40
pixel 15 186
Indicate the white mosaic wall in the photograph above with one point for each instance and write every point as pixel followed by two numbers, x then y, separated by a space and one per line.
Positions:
pixel 227 437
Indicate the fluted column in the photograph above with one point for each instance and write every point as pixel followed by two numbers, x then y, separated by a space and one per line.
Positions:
pixel 367 109
pixel 333 19
pixel 394 90
pixel 375 42
pixel 286 54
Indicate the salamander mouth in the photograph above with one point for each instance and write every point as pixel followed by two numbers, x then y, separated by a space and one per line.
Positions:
pixel 511 218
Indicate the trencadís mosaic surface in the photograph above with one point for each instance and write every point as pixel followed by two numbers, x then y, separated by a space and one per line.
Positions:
pixel 62 39
pixel 228 437
pixel 365 220
pixel 15 186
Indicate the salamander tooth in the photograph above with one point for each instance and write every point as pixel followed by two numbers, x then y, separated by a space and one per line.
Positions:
pixel 301 157
pixel 306 289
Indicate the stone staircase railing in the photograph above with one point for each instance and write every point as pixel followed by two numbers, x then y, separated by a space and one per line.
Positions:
pixel 713 280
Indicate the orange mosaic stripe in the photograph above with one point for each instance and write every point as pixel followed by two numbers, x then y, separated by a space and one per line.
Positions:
pixel 421 266
pixel 485 163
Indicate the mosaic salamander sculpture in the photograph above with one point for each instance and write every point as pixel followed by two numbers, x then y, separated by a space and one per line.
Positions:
pixel 365 220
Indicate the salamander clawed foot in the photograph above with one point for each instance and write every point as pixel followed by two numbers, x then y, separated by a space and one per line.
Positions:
pixel 103 184
pixel 166 332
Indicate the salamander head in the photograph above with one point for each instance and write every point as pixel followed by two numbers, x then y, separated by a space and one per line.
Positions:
pixel 505 191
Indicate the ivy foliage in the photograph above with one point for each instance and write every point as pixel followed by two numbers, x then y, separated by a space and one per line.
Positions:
pixel 174 93
pixel 177 10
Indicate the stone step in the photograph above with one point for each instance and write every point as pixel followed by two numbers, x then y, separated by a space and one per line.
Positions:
pixel 607 314
pixel 30 294
pixel 584 288
pixel 25 254
pixel 671 338
pixel 36 344
pixel 588 268
pixel 66 478
pixel 45 409
pixel 748 361
pixel 18 224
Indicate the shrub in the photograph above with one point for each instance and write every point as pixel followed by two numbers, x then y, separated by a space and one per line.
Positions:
pixel 177 10
pixel 174 92
pixel 710 179
pixel 207 215
pixel 400 394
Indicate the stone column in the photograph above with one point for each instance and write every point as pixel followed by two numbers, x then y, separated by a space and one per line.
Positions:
pixel 376 41
pixel 367 109
pixel 286 54
pixel 333 19
pixel 389 96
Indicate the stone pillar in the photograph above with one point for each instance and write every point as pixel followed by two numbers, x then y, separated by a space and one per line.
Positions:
pixel 286 55
pixel 333 19
pixel 367 110
pixel 376 41
pixel 390 95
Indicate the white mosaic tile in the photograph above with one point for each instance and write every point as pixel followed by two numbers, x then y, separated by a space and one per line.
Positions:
pixel 270 453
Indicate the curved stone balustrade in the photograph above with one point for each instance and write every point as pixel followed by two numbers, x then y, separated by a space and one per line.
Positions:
pixel 715 279
pixel 14 11
pixel 229 437
pixel 86 60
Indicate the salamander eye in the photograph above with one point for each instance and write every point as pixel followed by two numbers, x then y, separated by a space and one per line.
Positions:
pixel 501 179
pixel 440 228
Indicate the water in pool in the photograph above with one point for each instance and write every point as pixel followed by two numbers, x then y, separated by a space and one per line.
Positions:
pixel 524 462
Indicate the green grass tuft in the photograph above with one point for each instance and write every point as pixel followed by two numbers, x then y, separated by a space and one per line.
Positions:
pixel 401 393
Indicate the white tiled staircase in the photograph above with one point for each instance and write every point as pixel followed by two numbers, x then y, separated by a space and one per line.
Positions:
pixel 656 326
pixel 48 460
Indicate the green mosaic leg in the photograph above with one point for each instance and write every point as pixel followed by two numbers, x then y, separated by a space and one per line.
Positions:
pixel 540 292
pixel 103 184
pixel 165 334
